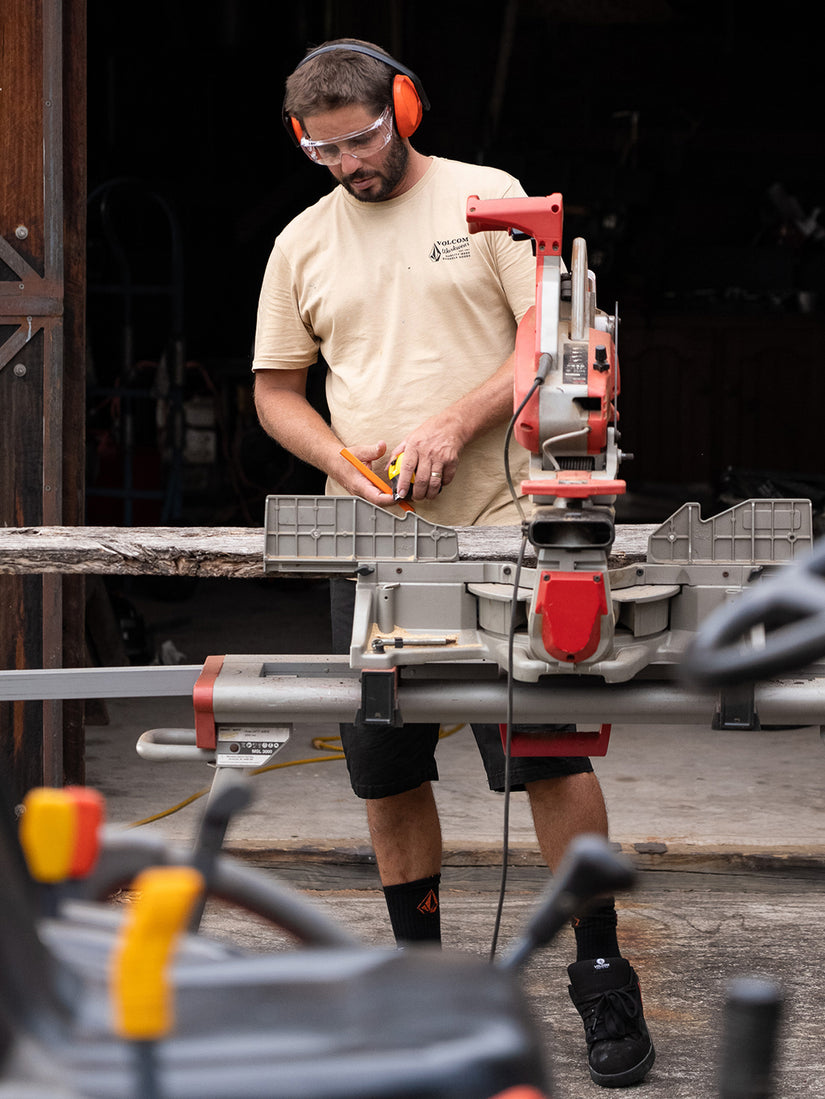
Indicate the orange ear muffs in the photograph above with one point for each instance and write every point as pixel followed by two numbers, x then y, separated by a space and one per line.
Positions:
pixel 297 128
pixel 409 98
pixel 406 105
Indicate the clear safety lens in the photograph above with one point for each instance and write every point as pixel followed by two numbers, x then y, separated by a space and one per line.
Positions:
pixel 360 143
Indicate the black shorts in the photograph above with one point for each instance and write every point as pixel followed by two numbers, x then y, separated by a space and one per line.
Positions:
pixel 386 761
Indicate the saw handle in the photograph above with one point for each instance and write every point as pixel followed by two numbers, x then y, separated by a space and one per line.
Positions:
pixel 539 218
pixel 791 608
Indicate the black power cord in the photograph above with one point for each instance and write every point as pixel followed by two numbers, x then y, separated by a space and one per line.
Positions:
pixel 545 362
pixel 508 746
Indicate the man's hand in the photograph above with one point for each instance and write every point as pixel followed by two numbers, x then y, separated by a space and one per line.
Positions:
pixel 431 452
pixel 354 481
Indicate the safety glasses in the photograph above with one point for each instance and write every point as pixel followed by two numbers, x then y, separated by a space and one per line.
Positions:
pixel 358 144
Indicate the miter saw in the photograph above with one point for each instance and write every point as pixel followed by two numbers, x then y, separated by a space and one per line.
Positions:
pixel 552 634
pixel 566 390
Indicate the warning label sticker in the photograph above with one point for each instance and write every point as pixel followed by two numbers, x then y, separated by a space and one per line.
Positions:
pixel 574 367
pixel 245 746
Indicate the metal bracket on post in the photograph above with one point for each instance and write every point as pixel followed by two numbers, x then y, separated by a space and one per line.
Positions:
pixel 737 709
pixel 379 698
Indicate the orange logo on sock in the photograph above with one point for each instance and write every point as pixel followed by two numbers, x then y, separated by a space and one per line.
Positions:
pixel 429 905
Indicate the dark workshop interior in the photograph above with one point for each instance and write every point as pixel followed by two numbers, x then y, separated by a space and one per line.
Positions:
pixel 684 135
pixel 144 176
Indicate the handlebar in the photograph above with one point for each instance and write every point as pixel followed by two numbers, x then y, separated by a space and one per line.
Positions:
pixel 776 626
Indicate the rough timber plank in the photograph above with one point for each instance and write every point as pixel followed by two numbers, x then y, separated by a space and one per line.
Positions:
pixel 158 551
pixel 219 551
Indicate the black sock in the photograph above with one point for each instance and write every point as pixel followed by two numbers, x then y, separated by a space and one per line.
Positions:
pixel 596 932
pixel 415 912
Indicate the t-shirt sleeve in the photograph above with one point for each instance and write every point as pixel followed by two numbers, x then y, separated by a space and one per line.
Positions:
pixel 282 340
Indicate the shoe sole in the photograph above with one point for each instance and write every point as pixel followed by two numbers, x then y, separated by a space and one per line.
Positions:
pixel 629 1076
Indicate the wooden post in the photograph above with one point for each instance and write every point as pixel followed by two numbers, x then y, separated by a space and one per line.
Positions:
pixel 74 360
pixel 42 58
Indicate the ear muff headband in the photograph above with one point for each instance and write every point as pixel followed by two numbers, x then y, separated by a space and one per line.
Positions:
pixel 409 100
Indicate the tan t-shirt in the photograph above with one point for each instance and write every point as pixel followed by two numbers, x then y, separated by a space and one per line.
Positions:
pixel 410 312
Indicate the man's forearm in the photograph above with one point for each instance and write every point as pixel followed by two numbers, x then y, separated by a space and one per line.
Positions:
pixel 484 407
pixel 292 421
pixel 286 415
pixel 488 405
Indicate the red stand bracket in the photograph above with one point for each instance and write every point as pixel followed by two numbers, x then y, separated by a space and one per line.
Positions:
pixel 584 742
pixel 202 692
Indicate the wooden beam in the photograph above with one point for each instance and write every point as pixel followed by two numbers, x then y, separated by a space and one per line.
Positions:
pixel 220 551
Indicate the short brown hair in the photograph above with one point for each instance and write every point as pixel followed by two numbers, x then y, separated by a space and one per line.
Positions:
pixel 339 78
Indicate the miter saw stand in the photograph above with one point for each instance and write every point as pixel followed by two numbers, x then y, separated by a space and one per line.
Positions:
pixel 557 635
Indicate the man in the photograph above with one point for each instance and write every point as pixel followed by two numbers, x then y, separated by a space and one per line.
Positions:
pixel 416 323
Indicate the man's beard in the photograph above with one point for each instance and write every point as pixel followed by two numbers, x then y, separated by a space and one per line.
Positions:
pixel 391 174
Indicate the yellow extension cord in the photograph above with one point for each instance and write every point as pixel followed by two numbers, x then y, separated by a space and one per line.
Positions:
pixel 322 743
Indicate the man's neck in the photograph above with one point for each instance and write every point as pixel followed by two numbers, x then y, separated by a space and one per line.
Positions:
pixel 418 167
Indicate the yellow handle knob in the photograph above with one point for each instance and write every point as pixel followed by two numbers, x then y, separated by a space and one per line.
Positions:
pixel 142 997
pixel 48 830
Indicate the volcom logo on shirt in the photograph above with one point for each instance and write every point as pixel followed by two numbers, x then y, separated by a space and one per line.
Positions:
pixel 457 248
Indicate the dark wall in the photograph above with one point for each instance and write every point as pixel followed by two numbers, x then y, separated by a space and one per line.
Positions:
pixel 680 134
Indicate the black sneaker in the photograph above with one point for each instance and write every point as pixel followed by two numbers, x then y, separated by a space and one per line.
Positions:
pixel 606 994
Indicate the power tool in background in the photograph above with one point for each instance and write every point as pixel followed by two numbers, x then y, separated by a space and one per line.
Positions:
pixel 128 1000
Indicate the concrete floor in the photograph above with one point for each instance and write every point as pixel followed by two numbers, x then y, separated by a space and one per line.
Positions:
pixel 687 938
pixel 726 830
